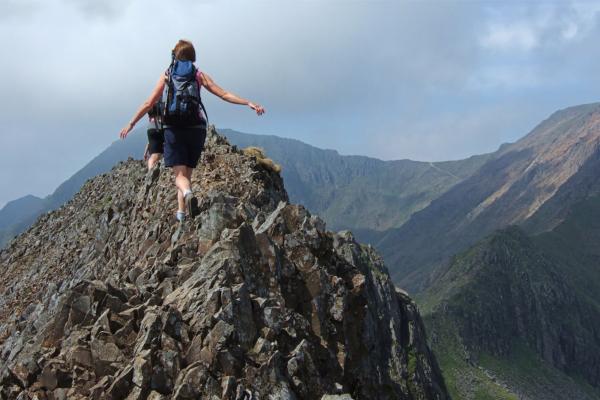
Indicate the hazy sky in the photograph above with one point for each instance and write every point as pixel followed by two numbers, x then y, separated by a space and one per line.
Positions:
pixel 426 80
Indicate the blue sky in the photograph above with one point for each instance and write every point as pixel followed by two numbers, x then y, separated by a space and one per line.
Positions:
pixel 426 80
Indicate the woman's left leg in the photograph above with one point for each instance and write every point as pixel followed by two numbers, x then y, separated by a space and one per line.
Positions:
pixel 188 174
pixel 191 202
pixel 153 159
pixel 180 197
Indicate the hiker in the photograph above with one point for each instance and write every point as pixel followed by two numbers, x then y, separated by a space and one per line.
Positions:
pixel 156 137
pixel 184 124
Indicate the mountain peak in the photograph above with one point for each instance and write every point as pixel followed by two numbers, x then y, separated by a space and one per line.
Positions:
pixel 561 128
pixel 108 297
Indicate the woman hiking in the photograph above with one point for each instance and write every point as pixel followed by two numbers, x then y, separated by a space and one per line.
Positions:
pixel 156 138
pixel 178 89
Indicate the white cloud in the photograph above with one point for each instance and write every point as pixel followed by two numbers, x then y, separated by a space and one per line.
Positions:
pixel 570 31
pixel 520 36
pixel 462 132
pixel 505 77
pixel 529 26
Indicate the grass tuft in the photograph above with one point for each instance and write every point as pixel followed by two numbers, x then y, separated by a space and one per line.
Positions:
pixel 263 160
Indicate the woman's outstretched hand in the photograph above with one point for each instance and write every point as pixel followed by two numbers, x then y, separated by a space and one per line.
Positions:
pixel 257 107
pixel 125 131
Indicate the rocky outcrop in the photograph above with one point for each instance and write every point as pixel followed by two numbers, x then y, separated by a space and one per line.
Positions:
pixel 508 295
pixel 109 298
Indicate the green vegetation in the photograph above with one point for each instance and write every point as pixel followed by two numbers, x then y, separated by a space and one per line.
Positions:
pixel 524 369
pixel 412 369
pixel 481 376
pixel 464 379
pixel 574 243
pixel 102 204
pixel 495 304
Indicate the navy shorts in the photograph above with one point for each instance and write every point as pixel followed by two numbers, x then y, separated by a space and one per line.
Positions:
pixel 183 145
pixel 156 141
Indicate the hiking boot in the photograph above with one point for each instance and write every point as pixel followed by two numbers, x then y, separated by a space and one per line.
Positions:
pixel 191 204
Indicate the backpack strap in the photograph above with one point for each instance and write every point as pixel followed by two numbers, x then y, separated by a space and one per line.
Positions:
pixel 170 87
pixel 197 73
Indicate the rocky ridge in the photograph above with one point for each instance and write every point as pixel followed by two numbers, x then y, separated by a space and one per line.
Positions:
pixel 109 298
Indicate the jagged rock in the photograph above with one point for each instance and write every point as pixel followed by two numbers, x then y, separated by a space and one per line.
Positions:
pixel 8 378
pixel 155 396
pixel 55 376
pixel 26 372
pixel 106 355
pixel 98 391
pixel 150 332
pixel 142 370
pixel 253 299
pixel 215 341
pixel 191 382
pixel 121 385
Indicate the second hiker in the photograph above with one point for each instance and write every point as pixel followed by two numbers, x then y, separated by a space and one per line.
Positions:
pixel 156 137
pixel 178 91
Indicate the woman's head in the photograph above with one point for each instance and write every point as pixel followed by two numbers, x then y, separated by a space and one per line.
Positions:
pixel 184 51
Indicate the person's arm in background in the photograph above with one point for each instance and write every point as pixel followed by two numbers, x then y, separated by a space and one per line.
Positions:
pixel 215 89
pixel 145 107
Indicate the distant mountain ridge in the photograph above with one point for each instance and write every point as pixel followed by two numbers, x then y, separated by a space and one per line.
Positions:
pixel 541 174
pixel 506 266
pixel 360 193
pixel 17 215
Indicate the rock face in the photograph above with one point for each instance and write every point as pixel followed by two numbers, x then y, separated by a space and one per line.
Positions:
pixel 109 298
pixel 510 298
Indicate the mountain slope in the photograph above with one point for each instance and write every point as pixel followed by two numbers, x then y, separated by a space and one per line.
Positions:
pixel 18 215
pixel 357 192
pixel 20 212
pixel 109 298
pixel 525 309
pixel 14 211
pixel 538 173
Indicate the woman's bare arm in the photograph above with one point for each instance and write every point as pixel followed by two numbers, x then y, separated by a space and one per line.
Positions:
pixel 215 89
pixel 145 107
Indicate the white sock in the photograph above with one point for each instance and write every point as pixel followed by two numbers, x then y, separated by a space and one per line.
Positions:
pixel 180 215
pixel 185 192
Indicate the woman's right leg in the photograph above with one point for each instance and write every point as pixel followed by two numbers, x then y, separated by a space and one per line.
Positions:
pixel 180 201
pixel 182 181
